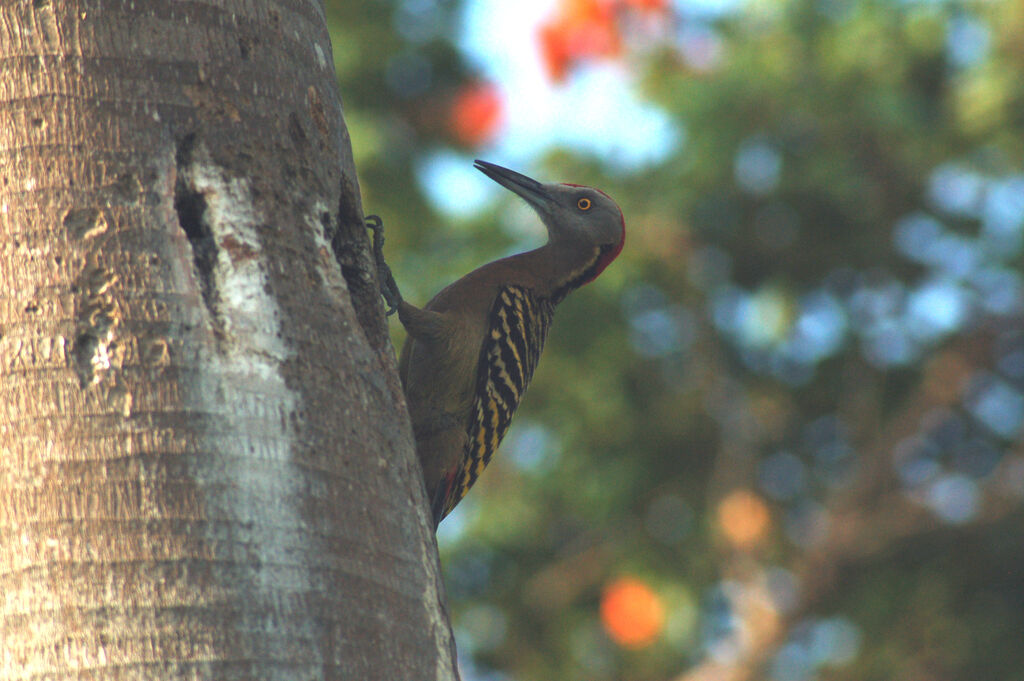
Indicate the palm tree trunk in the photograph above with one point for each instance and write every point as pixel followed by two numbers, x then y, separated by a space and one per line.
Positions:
pixel 206 468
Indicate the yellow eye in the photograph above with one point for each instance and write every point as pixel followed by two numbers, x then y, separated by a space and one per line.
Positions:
pixel 583 204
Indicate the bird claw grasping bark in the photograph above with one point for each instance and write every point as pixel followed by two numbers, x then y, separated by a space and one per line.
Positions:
pixel 388 287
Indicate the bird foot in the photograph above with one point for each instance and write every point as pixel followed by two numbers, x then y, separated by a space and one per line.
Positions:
pixel 388 287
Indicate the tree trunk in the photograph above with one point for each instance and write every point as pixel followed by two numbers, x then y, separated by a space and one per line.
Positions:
pixel 206 467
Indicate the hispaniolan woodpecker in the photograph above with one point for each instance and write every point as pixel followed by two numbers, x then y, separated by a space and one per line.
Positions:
pixel 471 351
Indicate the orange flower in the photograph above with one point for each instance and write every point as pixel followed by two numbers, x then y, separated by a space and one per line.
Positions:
pixel 581 29
pixel 476 113
pixel 554 51
pixel 632 614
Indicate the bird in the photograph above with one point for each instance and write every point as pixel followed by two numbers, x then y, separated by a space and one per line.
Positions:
pixel 471 351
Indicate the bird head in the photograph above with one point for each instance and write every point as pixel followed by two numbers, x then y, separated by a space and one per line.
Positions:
pixel 575 216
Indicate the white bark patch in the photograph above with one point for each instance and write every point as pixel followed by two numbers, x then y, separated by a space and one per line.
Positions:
pixel 252 486
pixel 250 315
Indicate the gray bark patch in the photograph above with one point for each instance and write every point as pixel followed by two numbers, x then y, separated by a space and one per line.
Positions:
pixel 84 223
pixel 96 322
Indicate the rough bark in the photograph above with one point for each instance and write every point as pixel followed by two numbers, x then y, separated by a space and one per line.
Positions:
pixel 206 469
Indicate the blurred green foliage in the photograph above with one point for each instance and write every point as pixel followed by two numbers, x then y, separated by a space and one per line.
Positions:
pixel 818 308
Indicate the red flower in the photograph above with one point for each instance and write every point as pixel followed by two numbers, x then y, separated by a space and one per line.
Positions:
pixel 476 113
pixel 582 29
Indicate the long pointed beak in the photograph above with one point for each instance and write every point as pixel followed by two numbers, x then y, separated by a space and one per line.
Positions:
pixel 526 187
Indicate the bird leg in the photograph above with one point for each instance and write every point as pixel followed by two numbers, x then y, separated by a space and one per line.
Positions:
pixel 388 287
pixel 421 324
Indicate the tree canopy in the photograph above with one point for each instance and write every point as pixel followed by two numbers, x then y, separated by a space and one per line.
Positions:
pixel 781 437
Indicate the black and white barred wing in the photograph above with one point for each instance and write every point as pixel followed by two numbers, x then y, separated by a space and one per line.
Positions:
pixel 519 324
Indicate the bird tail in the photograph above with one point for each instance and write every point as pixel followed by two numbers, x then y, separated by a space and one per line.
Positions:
pixel 439 504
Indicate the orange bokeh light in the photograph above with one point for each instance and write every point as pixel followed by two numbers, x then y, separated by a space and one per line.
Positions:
pixel 632 614
pixel 581 29
pixel 587 29
pixel 743 518
pixel 647 5
pixel 476 113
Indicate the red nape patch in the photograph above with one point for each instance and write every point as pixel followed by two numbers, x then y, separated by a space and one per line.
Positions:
pixel 606 254
pixel 606 258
